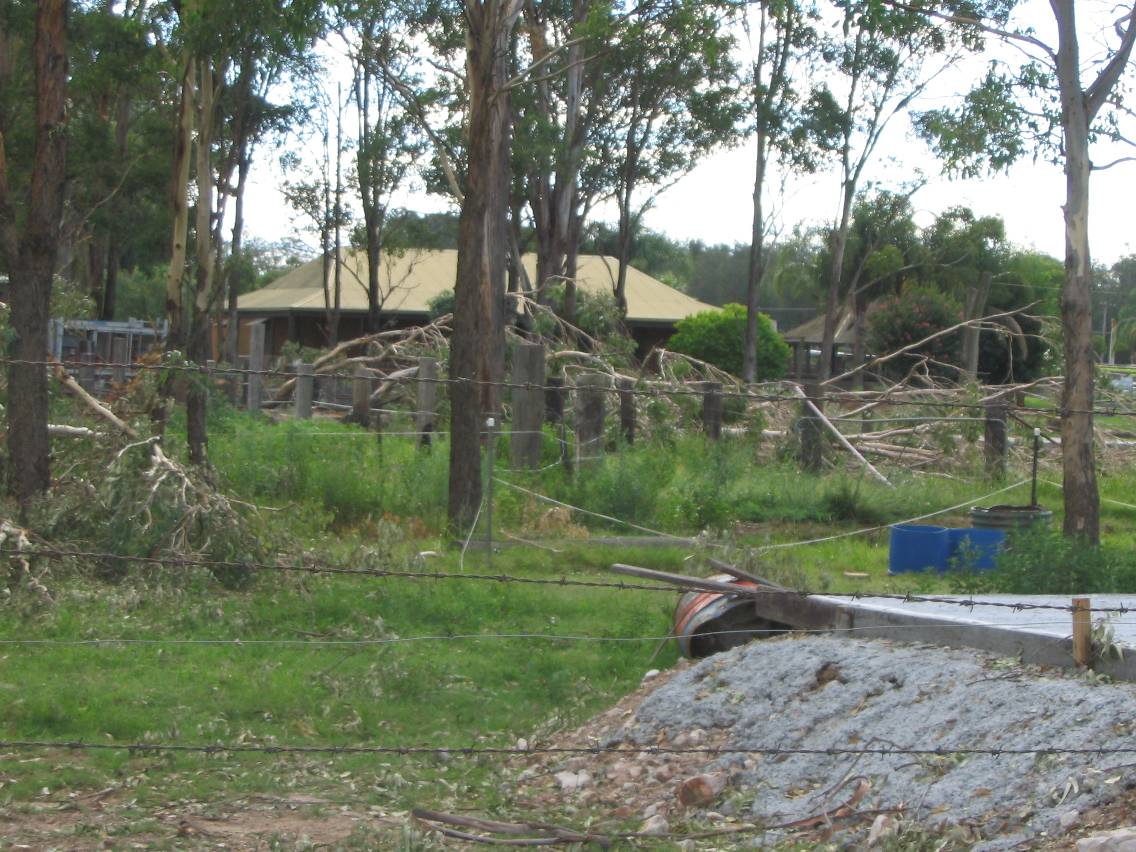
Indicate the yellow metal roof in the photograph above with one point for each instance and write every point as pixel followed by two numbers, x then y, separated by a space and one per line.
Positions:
pixel 412 279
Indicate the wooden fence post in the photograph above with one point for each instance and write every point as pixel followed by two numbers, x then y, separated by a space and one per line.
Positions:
pixel 305 381
pixel 626 388
pixel 256 364
pixel 526 438
pixel 591 390
pixel 554 399
pixel 361 396
pixel 1082 632
pixel 812 448
pixel 712 409
pixel 997 413
pixel 425 417
pixel 120 357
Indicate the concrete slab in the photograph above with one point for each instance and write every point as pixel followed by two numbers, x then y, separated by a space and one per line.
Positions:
pixel 1038 636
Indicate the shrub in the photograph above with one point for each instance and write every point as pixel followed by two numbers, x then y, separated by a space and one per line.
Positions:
pixel 718 337
pixel 442 304
pixel 1044 562
pixel 909 317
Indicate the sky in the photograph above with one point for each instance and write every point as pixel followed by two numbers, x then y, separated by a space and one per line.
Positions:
pixel 713 203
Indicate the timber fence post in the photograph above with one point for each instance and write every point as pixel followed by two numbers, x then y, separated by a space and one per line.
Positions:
pixel 712 408
pixel 591 390
pixel 305 381
pixel 1082 632
pixel 361 396
pixel 427 402
pixel 811 455
pixel 525 440
pixel 626 388
pixel 997 413
pixel 255 382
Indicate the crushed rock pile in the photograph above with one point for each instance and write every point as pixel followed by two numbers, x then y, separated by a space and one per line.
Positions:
pixel 828 692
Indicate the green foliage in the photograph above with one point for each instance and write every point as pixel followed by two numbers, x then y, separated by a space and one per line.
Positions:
pixel 596 313
pixel 907 318
pixel 141 294
pixel 846 500
pixel 441 304
pixel 1042 561
pixel 718 337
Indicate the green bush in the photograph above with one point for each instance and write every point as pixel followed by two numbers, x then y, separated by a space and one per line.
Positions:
pixel 909 317
pixel 1044 562
pixel 718 337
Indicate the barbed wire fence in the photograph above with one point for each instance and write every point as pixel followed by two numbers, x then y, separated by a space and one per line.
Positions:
pixel 579 448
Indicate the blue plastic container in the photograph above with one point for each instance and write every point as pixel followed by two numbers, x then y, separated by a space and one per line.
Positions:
pixel 918 547
pixel 974 548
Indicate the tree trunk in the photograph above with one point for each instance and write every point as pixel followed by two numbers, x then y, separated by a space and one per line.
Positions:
pixel 756 263
pixel 1082 502
pixel 179 201
pixel 233 327
pixel 198 349
pixel 374 228
pixel 31 258
pixel 110 285
pixel 839 242
pixel 477 344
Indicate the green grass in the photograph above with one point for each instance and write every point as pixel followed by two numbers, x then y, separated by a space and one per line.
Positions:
pixel 343 497
pixel 446 692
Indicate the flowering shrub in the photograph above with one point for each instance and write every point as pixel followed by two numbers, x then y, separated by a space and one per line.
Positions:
pixel 909 317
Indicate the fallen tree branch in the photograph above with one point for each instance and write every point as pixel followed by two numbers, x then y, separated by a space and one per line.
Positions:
pixel 97 407
pixel 64 431
pixel 844 442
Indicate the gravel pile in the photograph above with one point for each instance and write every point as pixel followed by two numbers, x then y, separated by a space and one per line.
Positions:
pixel 822 692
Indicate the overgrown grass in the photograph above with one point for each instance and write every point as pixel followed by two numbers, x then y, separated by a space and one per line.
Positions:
pixel 441 690
pixel 348 498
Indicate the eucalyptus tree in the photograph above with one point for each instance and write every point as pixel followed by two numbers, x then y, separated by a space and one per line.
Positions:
pixel 673 85
pixel 119 132
pixel 885 57
pixel 30 225
pixel 388 143
pixel 218 46
pixel 1055 102
pixel 554 111
pixel 784 43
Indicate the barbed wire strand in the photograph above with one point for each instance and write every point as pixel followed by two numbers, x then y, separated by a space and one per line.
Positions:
pixel 479 751
pixel 905 597
pixel 110 642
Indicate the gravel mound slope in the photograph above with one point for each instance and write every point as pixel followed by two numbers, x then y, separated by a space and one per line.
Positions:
pixel 832 692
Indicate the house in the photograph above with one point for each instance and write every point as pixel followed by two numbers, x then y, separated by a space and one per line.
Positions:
pixel 292 307
pixel 805 341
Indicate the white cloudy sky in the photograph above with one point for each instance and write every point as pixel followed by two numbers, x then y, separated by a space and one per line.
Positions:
pixel 713 203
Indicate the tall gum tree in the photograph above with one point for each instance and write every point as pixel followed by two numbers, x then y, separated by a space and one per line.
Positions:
pixel 784 40
pixel 477 346
pixel 1054 102
pixel 885 57
pixel 675 86
pixel 29 239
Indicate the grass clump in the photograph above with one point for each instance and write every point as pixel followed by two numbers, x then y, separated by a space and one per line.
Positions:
pixel 1045 562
